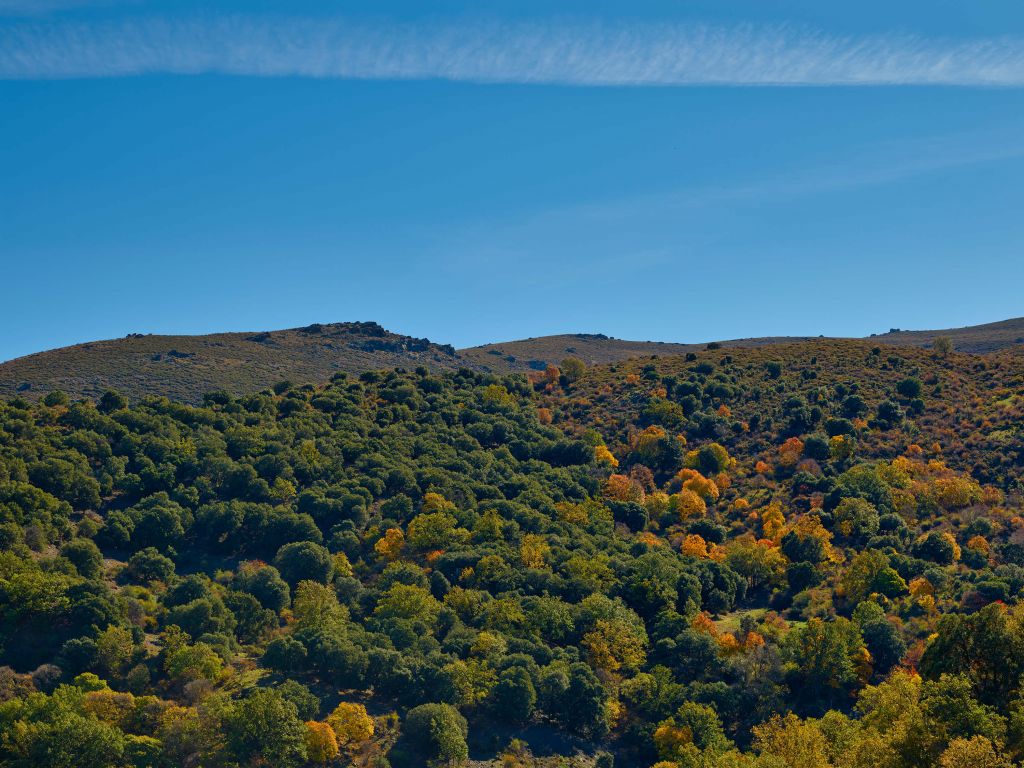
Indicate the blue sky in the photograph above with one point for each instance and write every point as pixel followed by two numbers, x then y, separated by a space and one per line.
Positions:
pixel 475 172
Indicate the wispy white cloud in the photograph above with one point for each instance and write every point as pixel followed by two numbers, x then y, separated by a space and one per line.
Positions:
pixel 44 7
pixel 642 55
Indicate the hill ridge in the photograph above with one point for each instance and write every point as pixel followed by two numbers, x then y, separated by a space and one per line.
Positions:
pixel 184 367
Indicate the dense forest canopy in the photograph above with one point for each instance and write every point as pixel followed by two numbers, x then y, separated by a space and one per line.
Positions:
pixel 800 555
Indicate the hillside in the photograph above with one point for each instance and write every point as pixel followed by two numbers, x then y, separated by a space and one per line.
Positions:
pixel 535 354
pixel 975 338
pixel 971 407
pixel 184 368
pixel 798 554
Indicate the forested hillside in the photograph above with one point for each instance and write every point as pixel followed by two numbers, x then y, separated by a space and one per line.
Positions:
pixel 808 554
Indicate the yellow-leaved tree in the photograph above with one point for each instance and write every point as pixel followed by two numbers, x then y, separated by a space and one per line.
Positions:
pixel 351 724
pixel 321 743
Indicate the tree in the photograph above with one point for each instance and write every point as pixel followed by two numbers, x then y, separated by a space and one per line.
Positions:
pixel 976 752
pixel 942 345
pixel 160 522
pixel 869 572
pixel 351 724
pixel 321 743
pixel 889 414
pixel 266 585
pixel 55 397
pixel 433 530
pixel 533 551
pixel 149 565
pixel 616 638
pixel 110 401
pixel 191 662
pixel 390 545
pixel 824 655
pixel 704 726
pixel 85 556
pixel 514 696
pixel 884 643
pixel 687 504
pixel 987 646
pixel 408 603
pixel 581 707
pixel 807 541
pixel 72 741
pixel 264 728
pixel 316 607
pixel 114 648
pixel 252 620
pixel 795 742
pixel 302 561
pixel 438 732
pixel 938 546
pixel 712 459
pixel 954 712
pixel 856 517
pixel 909 388
pixel 573 369
pixel 307 703
pixel 817 447
pixel 285 654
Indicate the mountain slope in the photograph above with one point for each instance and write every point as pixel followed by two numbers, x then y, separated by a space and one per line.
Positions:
pixel 591 348
pixel 185 367
pixel 974 338
pixel 536 353
pixel 761 546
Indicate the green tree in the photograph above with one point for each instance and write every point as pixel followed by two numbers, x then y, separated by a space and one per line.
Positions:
pixel 823 658
pixel 302 561
pixel 160 522
pixel 856 518
pixel 987 647
pixel 149 565
pixel 72 741
pixel 85 556
pixel 438 733
pixel 514 696
pixel 572 368
pixel 266 585
pixel 316 607
pixel 111 400
pixel 264 729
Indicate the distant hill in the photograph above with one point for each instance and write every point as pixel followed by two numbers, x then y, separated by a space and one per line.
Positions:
pixel 591 348
pixel 537 353
pixel 185 367
pixel 990 337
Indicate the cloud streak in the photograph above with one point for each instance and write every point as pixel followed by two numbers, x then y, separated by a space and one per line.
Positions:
pixel 643 55
pixel 44 7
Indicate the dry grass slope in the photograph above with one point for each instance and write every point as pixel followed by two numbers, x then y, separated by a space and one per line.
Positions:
pixel 990 337
pixel 185 367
